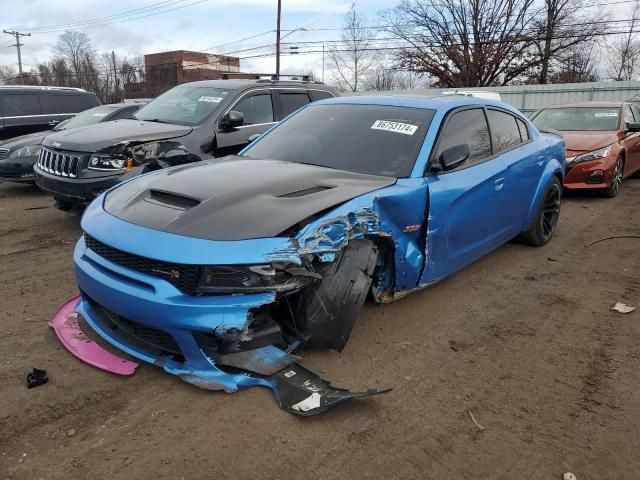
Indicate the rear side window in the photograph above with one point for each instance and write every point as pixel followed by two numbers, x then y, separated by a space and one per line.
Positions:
pixel 319 95
pixel 20 105
pixel 467 126
pixel 504 129
pixel 47 105
pixel 291 102
pixel 256 109
pixel 524 131
pixel 73 103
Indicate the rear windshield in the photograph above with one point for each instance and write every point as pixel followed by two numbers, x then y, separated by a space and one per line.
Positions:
pixel 88 117
pixel 589 119
pixel 183 105
pixel 372 139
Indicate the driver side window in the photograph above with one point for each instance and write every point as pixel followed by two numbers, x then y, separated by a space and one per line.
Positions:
pixel 467 126
pixel 256 109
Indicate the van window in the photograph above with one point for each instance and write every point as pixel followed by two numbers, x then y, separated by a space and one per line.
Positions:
pixel 72 103
pixel 47 105
pixel 291 101
pixel 20 105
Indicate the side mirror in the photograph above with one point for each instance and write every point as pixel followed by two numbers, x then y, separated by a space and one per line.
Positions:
pixel 232 119
pixel 454 156
pixel 632 127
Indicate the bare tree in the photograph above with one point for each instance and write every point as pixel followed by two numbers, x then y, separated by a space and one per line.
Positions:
pixel 563 25
pixel 624 51
pixel 8 75
pixel 76 49
pixel 353 57
pixel 575 65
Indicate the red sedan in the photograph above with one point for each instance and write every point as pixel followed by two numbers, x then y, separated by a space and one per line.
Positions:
pixel 602 142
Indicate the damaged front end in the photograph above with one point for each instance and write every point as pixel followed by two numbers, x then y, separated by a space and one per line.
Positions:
pixel 220 327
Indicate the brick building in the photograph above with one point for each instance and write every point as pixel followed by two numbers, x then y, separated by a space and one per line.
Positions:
pixel 167 69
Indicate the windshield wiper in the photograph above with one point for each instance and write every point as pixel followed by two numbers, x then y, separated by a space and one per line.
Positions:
pixel 156 120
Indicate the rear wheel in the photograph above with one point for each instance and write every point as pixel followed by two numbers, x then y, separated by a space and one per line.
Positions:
pixel 616 183
pixel 325 312
pixel 545 223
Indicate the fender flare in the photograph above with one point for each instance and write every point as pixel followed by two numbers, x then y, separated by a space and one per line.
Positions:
pixel 552 169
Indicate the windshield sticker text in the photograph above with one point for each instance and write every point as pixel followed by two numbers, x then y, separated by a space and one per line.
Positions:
pixel 206 98
pixel 606 114
pixel 398 127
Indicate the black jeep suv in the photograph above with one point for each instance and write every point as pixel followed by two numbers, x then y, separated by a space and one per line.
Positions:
pixel 190 122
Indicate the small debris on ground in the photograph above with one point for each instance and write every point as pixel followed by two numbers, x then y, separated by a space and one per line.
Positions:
pixel 36 377
pixel 551 259
pixel 475 422
pixel 71 432
pixel 623 308
pixel 569 476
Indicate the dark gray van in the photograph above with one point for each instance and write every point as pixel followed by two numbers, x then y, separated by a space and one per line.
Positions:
pixel 27 109
pixel 190 122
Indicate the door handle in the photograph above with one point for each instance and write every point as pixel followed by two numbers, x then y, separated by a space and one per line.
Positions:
pixel 499 183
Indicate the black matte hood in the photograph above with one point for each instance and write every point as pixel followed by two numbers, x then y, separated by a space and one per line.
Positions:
pixel 235 198
pixel 24 140
pixel 93 138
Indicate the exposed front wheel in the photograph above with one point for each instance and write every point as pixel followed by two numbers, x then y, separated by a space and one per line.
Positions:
pixel 616 182
pixel 324 313
pixel 545 223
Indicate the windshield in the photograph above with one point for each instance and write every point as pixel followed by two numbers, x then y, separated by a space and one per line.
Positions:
pixel 183 105
pixel 372 139
pixel 585 119
pixel 88 117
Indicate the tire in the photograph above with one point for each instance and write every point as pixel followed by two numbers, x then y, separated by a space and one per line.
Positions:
pixel 546 220
pixel 327 310
pixel 616 183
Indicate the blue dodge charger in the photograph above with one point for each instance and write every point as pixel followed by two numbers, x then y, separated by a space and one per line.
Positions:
pixel 216 270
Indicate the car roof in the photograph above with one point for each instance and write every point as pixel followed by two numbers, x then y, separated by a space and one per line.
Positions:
pixel 40 88
pixel 435 102
pixel 587 104
pixel 239 84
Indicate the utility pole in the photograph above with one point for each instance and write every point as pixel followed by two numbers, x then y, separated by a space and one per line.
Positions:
pixel 323 62
pixel 278 41
pixel 116 80
pixel 18 45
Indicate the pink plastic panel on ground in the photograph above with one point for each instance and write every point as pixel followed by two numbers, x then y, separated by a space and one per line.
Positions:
pixel 65 323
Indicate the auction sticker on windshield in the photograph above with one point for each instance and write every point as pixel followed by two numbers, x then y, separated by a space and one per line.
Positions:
pixel 606 114
pixel 206 98
pixel 398 127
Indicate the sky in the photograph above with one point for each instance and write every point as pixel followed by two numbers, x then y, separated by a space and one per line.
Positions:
pixel 200 25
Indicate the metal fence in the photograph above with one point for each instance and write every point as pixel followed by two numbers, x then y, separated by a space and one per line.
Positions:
pixel 529 98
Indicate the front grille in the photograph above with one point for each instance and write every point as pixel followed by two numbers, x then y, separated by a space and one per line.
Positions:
pixel 183 277
pixel 3 153
pixel 140 334
pixel 63 164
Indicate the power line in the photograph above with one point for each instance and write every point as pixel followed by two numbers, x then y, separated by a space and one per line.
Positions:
pixel 107 23
pixel 102 19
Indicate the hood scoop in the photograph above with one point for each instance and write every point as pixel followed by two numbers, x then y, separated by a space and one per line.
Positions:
pixel 306 191
pixel 171 200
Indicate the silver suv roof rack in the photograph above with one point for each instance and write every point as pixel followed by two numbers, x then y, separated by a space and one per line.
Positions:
pixel 270 77
pixel 42 87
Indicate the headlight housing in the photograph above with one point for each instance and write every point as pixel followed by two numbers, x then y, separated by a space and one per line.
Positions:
pixel 595 155
pixel 27 151
pixel 252 279
pixel 106 163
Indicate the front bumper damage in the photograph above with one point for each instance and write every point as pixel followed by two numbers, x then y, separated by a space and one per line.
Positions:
pixel 152 320
pixel 296 389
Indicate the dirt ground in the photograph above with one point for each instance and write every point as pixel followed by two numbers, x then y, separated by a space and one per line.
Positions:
pixel 524 339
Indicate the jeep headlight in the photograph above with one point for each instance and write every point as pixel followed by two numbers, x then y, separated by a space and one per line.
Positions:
pixel 28 151
pixel 595 155
pixel 145 152
pixel 106 163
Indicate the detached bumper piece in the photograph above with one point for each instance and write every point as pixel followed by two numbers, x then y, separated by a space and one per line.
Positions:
pixel 296 389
